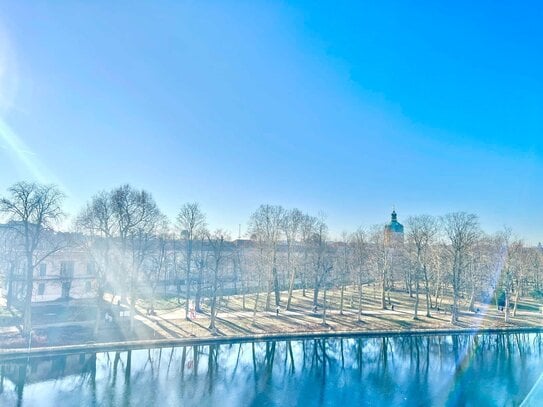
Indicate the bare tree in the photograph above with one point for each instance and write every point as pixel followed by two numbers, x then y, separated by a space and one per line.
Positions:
pixel 33 209
pixel 267 223
pixel 462 231
pixel 343 266
pixel 511 263
pixel 381 260
pixel 441 265
pixel 521 265
pixel 307 232
pixel 10 260
pixel 157 263
pixel 258 265
pixel 327 267
pixel 137 218
pixel 534 265
pixel 200 261
pixel 321 261
pixel 359 241
pixel 422 231
pixel 291 226
pixel 217 242
pixel 97 224
pixel 190 219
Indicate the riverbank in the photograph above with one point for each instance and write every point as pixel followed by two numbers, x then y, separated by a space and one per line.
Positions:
pixel 235 323
pixel 8 354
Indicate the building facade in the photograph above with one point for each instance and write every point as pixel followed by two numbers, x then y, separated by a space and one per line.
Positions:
pixel 65 275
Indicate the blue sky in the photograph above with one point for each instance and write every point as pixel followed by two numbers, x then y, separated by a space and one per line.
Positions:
pixel 346 109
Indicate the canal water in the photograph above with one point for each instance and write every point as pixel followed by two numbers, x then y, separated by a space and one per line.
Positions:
pixel 434 370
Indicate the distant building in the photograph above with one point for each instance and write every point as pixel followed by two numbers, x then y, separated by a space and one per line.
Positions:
pixel 394 230
pixel 68 274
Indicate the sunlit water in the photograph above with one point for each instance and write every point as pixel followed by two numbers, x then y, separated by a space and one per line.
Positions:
pixel 481 370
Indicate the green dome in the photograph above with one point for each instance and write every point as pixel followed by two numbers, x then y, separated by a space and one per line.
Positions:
pixel 394 226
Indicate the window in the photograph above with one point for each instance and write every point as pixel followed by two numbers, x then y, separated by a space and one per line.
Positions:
pixel 41 287
pixel 87 286
pixel 67 269
pixel 91 268
pixel 43 269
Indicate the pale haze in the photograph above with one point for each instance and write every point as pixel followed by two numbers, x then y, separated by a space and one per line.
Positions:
pixel 343 110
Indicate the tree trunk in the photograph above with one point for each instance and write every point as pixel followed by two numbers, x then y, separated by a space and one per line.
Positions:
pixel 517 293
pixel 472 300
pixel 243 290
pixel 198 297
pixel 213 313
pixel 388 296
pixel 153 296
pixel 438 288
pixel 456 295
pixel 276 286
pixel 27 320
pixel 256 305
pixel 341 299
pixel 324 307
pixel 454 317
pixel 428 303
pixel 359 301
pixel 268 295
pixel 9 295
pixel 132 293
pixel 316 294
pixel 214 299
pixel 100 296
pixel 187 278
pixel 258 287
pixel 416 315
pixel 383 291
pixel 456 285
pixel 409 284
pixel 291 287
pixel 506 309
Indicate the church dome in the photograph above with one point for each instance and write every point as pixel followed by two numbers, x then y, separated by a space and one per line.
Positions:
pixel 394 226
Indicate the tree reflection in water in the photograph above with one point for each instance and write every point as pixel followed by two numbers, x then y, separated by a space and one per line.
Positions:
pixel 424 370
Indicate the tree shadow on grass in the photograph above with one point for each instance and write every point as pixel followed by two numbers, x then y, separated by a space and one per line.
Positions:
pixel 171 328
pixel 234 327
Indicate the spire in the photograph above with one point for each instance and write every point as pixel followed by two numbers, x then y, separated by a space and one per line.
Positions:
pixel 393 216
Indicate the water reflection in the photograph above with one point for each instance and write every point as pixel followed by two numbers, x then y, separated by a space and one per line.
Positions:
pixel 415 370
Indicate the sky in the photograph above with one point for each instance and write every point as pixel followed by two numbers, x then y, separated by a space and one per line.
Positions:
pixel 343 108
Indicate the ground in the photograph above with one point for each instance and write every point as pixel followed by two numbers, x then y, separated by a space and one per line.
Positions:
pixel 169 321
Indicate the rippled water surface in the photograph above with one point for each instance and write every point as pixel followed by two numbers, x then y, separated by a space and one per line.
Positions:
pixel 480 370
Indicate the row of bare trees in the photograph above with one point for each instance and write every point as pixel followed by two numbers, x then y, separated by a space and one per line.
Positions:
pixel 135 250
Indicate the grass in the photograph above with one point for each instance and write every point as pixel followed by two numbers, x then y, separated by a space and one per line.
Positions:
pixel 163 303
pixel 233 319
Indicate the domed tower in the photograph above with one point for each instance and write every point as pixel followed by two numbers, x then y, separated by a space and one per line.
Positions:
pixel 394 230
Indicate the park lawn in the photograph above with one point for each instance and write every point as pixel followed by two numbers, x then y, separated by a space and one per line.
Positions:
pixel 233 320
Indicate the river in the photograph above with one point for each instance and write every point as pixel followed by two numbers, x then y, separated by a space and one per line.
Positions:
pixel 443 370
